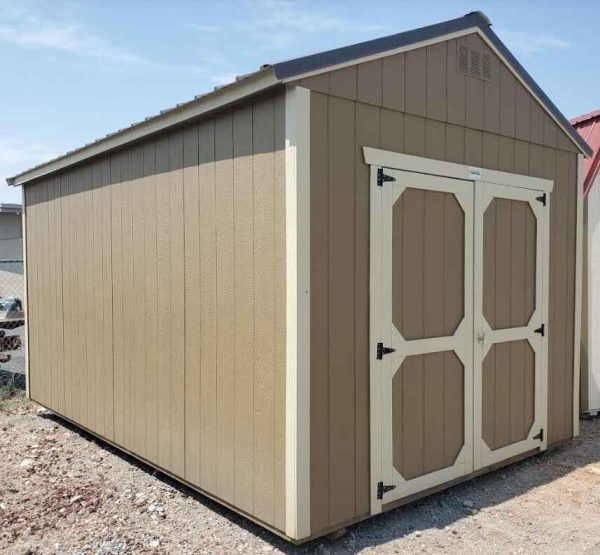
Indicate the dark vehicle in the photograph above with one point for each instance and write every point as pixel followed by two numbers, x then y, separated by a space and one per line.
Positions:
pixel 11 313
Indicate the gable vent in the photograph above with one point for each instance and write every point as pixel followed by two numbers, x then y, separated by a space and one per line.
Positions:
pixel 474 63
pixel 463 59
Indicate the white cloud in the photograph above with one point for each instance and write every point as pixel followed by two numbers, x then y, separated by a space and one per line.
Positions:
pixel 274 24
pixel 67 38
pixel 529 44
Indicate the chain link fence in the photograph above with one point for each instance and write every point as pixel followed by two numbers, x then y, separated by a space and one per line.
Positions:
pixel 12 324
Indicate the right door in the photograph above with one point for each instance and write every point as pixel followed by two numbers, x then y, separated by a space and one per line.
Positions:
pixel 510 321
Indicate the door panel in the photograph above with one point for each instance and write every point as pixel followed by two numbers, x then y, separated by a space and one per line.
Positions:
pixel 427 263
pixel 459 293
pixel 427 413
pixel 427 318
pixel 509 255
pixel 508 402
pixel 511 236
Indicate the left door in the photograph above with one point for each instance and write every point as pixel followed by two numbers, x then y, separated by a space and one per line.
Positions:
pixel 421 331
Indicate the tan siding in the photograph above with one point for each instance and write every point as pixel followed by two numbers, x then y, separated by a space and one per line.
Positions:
pixel 492 124
pixel 164 264
pixel 243 216
pixel 192 297
pixel 280 311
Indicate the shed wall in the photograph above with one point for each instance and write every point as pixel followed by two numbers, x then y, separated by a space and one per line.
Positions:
pixel 156 280
pixel 414 103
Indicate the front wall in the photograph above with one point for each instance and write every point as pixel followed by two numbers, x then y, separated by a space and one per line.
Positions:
pixel 413 103
pixel 156 280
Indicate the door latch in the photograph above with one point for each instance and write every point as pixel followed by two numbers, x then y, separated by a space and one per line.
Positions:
pixel 381 350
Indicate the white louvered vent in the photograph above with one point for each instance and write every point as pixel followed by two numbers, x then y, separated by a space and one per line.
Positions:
pixel 474 63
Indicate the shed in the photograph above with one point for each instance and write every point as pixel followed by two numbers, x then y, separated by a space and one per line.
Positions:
pixel 333 286
pixel 588 126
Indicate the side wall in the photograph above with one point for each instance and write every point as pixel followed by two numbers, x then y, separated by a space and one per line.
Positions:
pixel 590 314
pixel 414 103
pixel 156 283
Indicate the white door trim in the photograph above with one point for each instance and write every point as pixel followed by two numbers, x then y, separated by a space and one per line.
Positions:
pixel 297 225
pixel 378 158
pixel 419 164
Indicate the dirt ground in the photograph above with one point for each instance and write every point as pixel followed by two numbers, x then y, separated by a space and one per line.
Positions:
pixel 62 491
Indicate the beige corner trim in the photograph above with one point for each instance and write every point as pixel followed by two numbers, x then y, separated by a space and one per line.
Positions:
pixel 25 296
pixel 297 200
pixel 578 295
pixel 419 164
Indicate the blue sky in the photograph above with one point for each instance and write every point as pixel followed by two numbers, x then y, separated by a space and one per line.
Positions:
pixel 76 70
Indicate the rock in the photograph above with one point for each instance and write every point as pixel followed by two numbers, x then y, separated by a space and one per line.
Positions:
pixel 154 543
pixel 468 504
pixel 76 498
pixel 26 463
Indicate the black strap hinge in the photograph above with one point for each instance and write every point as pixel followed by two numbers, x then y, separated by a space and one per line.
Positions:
pixel 542 199
pixel 540 435
pixel 381 489
pixel 541 330
pixel 381 350
pixel 382 177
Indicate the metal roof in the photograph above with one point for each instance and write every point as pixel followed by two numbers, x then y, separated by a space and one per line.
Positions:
pixel 588 126
pixel 11 208
pixel 270 75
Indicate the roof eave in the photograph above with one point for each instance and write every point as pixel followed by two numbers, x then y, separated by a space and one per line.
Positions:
pixel 255 83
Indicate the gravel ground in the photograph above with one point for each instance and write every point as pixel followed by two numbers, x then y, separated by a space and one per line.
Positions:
pixel 61 491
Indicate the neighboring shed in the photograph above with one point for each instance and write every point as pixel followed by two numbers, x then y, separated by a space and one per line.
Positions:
pixel 11 250
pixel 588 127
pixel 333 286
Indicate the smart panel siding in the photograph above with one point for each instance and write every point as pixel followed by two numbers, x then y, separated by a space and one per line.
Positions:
pixel 156 283
pixel 414 103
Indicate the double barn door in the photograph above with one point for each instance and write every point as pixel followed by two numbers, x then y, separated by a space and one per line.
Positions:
pixel 458 327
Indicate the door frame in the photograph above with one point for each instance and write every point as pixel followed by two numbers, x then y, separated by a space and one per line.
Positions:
pixel 484 194
pixel 376 159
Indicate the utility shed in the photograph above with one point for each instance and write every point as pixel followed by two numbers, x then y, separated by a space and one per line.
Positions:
pixel 338 284
pixel 588 126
